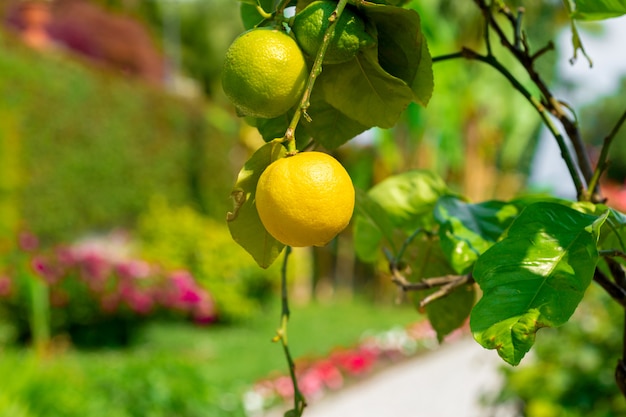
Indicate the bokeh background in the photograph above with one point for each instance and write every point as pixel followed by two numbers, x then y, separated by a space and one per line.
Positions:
pixel 121 291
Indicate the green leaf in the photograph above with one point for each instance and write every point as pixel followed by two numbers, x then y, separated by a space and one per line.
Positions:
pixel 598 9
pixel 613 232
pixel 328 126
pixel 275 128
pixel 409 198
pixel 244 222
pixel 371 226
pixel 535 277
pixel 577 43
pixel 402 48
pixel 449 313
pixel 250 15
pixel 468 230
pixel 363 91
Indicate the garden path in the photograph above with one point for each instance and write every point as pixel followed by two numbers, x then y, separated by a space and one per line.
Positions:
pixel 447 382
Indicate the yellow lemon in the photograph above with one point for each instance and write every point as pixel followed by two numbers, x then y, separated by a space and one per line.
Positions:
pixel 349 36
pixel 305 199
pixel 264 73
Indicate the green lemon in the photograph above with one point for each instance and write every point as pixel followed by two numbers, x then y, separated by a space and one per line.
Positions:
pixel 310 24
pixel 264 73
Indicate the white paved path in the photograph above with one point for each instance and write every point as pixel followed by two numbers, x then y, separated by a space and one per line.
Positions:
pixel 445 383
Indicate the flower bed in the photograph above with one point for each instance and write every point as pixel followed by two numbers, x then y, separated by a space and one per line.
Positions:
pixel 320 376
pixel 97 291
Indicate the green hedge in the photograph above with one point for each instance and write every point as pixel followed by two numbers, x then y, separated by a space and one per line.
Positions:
pixel 94 147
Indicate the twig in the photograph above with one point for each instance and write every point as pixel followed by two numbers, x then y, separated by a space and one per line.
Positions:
pixel 470 54
pixel 299 402
pixel 316 70
pixel 446 284
pixel 410 240
pixel 604 152
pixel 612 253
pixel 615 291
pixel 447 289
pixel 618 273
pixel 551 104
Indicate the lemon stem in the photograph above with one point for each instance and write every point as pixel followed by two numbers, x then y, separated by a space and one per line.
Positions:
pixel 265 15
pixel 316 70
pixel 299 402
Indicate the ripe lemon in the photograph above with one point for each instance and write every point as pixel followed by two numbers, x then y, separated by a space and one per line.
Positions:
pixel 310 24
pixel 264 73
pixel 305 199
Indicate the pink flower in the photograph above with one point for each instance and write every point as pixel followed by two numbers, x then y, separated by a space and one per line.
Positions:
pixel 355 362
pixel 139 302
pixel 311 384
pixel 6 286
pixel 45 269
pixel 133 269
pixel 329 374
pixel 94 267
pixel 28 242
pixel 284 387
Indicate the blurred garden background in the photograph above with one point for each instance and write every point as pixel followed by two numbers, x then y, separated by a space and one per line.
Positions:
pixel 121 290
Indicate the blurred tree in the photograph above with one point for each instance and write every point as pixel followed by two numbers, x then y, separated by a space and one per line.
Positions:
pixel 195 31
pixel 477 132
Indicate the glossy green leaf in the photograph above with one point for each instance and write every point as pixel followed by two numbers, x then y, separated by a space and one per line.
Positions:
pixel 371 227
pixel 363 91
pixel 468 230
pixel 244 222
pixel 535 277
pixel 598 9
pixel 613 232
pixel 328 126
pixel 409 198
pixel 451 312
pixel 249 12
pixel 402 48
pixel 271 129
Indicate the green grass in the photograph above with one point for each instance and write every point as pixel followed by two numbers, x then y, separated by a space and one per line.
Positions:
pixel 181 370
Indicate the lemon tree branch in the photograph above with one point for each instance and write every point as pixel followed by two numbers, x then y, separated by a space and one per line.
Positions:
pixel 316 70
pixel 540 107
pixel 602 160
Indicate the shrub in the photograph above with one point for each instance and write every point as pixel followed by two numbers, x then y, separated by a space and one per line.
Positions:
pixel 99 296
pixel 83 150
pixel 183 238
pixel 571 371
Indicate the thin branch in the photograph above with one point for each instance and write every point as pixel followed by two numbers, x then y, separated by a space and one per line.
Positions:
pixel 316 70
pixel 618 273
pixel 604 152
pixel 446 284
pixel 447 289
pixel 552 105
pixel 613 253
pixel 548 48
pixel 410 240
pixel 616 292
pixel 299 402
pixel 469 54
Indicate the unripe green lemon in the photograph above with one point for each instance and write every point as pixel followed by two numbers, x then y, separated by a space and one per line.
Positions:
pixel 264 73
pixel 349 36
pixel 305 199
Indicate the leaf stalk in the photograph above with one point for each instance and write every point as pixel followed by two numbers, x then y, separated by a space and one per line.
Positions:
pixel 316 70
